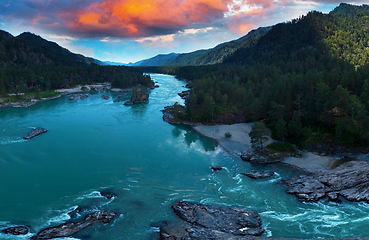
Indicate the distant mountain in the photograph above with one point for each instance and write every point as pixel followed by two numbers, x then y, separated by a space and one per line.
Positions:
pixel 201 57
pixel 158 60
pixel 28 49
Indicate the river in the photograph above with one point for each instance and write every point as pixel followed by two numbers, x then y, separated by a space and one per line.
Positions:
pixel 95 145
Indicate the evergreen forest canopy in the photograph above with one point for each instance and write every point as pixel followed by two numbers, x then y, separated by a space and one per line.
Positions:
pixel 307 79
pixel 31 63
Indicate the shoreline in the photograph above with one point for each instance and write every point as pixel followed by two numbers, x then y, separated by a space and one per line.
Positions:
pixel 240 142
pixel 63 92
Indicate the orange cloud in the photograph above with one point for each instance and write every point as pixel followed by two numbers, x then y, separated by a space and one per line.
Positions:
pixel 132 18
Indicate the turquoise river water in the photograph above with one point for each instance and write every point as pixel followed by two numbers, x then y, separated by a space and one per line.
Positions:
pixel 95 145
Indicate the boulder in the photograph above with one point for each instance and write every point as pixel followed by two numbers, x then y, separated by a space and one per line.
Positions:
pixel 35 133
pixel 108 195
pixel 19 230
pixel 350 181
pixel 210 222
pixel 137 98
pixel 69 229
pixel 258 175
pixel 216 168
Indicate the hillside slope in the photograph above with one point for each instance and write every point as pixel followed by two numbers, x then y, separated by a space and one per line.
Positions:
pixel 28 49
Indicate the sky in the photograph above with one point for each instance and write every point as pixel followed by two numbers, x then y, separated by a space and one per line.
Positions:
pixel 131 30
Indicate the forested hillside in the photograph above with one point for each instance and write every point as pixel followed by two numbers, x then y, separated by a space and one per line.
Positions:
pixel 307 79
pixel 31 63
pixel 201 57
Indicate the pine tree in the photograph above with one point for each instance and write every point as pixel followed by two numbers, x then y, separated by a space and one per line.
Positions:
pixel 259 134
pixel 281 129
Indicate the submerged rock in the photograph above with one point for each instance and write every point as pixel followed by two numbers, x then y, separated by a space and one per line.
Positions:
pixel 122 95
pixel 35 133
pixel 69 229
pixel 78 96
pixel 258 175
pixel 19 230
pixel 211 222
pixel 349 180
pixel 137 98
pixel 105 97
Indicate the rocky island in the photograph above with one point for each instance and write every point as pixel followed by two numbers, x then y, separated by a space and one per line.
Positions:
pixel 202 221
pixel 35 133
pixel 69 229
pixel 137 98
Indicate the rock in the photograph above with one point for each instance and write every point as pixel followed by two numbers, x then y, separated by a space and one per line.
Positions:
pixel 263 156
pixel 75 213
pixel 189 85
pixel 78 96
pixel 258 175
pixel 137 98
pixel 35 133
pixel 216 168
pixel 108 195
pixel 20 230
pixel 69 229
pixel 350 181
pixel 211 222
pixel 105 97
pixel 122 95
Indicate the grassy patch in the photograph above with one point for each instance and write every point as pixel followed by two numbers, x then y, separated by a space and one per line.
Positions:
pixel 282 147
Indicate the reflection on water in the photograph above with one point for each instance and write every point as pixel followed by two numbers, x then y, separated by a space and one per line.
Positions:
pixel 190 137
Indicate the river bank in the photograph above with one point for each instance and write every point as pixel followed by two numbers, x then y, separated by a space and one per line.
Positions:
pixel 239 142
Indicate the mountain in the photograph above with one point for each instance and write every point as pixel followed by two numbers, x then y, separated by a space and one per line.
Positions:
pixel 306 79
pixel 28 49
pixel 158 60
pixel 201 57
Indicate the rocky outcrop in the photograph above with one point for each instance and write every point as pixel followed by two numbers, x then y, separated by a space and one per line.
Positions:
pixel 19 230
pixel 210 222
pixel 350 181
pixel 35 133
pixel 264 156
pixel 137 98
pixel 258 175
pixel 168 116
pixel 152 85
pixel 78 96
pixel 69 229
pixel 185 95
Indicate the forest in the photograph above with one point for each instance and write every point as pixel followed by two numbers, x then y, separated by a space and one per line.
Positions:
pixel 30 63
pixel 307 80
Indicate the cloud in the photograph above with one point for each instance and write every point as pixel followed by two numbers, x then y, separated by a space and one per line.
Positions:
pixel 109 19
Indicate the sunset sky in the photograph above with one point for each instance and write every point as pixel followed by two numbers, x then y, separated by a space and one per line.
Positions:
pixel 131 30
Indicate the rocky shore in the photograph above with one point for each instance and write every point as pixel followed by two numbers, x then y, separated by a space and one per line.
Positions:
pixel 349 181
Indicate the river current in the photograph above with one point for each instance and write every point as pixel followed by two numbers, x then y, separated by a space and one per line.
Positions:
pixel 95 145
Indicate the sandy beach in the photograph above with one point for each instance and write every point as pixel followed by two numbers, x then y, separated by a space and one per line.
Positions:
pixel 240 142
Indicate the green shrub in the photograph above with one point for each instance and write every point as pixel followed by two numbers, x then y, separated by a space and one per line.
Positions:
pixel 228 135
